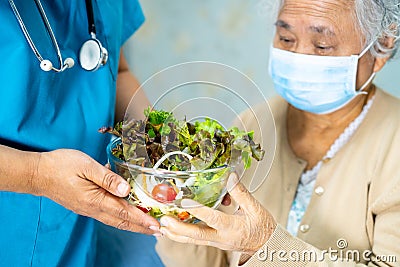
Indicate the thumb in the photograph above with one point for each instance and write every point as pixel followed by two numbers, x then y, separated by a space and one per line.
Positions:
pixel 110 181
pixel 240 194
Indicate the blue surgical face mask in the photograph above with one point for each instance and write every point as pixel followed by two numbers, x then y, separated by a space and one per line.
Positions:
pixel 316 84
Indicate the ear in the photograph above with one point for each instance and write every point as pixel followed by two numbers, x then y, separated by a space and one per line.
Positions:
pixel 385 43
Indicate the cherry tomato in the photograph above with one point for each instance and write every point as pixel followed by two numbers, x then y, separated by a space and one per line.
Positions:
pixel 163 193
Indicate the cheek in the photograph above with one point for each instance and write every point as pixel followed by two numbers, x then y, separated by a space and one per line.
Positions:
pixel 365 69
pixel 367 62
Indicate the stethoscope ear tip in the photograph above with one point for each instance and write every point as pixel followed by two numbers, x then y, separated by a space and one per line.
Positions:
pixel 69 62
pixel 46 65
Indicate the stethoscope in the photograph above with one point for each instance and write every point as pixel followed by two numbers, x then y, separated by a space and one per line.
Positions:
pixel 92 54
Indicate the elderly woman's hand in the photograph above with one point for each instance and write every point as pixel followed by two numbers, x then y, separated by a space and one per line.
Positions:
pixel 245 231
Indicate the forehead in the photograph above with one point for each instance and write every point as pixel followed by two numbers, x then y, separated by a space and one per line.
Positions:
pixel 330 17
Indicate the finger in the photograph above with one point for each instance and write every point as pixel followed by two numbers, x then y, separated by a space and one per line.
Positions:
pixel 107 179
pixel 186 239
pixel 108 166
pixel 226 201
pixel 213 218
pixel 125 225
pixel 191 232
pixel 120 209
pixel 241 195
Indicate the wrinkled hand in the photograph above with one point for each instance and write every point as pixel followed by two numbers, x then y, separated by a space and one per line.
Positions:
pixel 246 231
pixel 79 183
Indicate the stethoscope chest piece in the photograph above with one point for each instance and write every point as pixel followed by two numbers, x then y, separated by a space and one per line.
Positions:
pixel 92 55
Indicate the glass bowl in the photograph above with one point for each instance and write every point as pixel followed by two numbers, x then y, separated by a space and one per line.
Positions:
pixel 159 192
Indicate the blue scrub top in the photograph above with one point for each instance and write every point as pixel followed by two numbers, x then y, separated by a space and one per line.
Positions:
pixel 43 111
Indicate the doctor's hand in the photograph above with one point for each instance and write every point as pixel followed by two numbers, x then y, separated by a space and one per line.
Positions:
pixel 77 182
pixel 246 231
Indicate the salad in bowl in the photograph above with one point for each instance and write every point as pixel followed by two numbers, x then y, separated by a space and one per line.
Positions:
pixel 166 160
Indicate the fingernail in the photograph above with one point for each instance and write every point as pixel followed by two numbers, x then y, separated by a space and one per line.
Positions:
pixel 154 228
pixel 157 235
pixel 189 203
pixel 123 188
pixel 232 181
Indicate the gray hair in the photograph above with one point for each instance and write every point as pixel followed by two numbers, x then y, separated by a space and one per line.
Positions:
pixel 377 20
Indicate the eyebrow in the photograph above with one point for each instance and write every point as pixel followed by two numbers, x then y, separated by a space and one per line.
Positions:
pixel 282 24
pixel 322 30
pixel 316 29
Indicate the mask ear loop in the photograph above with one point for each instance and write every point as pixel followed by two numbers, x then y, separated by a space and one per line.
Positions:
pixel 366 49
pixel 360 91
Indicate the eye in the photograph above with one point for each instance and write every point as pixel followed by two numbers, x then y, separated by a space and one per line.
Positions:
pixel 286 39
pixel 323 47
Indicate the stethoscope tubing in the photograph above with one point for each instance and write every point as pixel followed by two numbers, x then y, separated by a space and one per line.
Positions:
pixel 46 64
